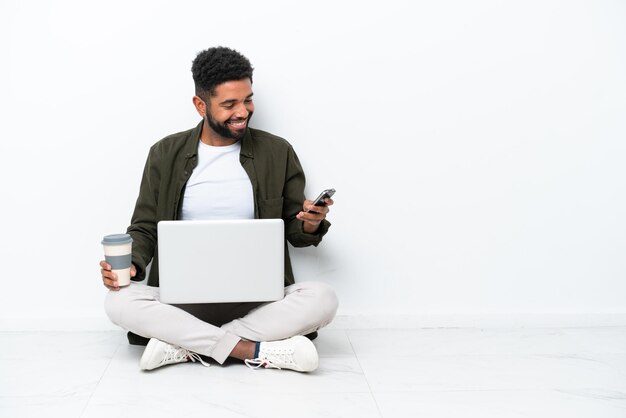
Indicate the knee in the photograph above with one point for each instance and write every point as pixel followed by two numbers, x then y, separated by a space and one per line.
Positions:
pixel 113 306
pixel 330 300
pixel 325 301
pixel 116 302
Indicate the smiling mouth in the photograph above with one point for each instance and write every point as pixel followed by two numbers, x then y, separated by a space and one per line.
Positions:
pixel 237 124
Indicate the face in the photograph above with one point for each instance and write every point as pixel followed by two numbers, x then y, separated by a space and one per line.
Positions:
pixel 229 111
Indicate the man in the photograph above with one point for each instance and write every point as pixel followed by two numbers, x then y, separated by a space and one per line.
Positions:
pixel 223 169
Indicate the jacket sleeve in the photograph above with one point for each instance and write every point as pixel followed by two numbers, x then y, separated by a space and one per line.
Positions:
pixel 143 226
pixel 293 195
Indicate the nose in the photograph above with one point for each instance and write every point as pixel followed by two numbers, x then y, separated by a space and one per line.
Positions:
pixel 242 111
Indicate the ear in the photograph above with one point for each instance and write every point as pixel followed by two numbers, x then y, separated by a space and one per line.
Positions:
pixel 200 106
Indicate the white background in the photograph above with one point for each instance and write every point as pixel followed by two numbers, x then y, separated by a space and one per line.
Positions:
pixel 477 148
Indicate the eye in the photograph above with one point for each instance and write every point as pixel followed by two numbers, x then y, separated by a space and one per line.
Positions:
pixel 247 101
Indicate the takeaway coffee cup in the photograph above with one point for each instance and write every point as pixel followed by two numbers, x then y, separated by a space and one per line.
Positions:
pixel 118 253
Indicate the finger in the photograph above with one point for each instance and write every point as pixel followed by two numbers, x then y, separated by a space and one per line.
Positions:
pixel 318 209
pixel 308 206
pixel 108 274
pixel 110 284
pixel 133 270
pixel 105 265
pixel 329 201
pixel 311 217
pixel 109 281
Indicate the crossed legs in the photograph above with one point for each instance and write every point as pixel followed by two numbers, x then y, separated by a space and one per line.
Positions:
pixel 306 307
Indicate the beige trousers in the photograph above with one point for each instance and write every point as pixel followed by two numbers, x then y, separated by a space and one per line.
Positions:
pixel 306 307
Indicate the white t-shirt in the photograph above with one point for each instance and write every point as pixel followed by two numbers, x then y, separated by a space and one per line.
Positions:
pixel 219 187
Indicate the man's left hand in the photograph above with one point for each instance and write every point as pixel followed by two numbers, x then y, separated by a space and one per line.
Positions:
pixel 316 215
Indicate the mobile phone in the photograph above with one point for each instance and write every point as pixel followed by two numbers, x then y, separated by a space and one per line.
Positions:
pixel 319 200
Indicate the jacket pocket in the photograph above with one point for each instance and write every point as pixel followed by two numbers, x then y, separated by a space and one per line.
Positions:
pixel 271 208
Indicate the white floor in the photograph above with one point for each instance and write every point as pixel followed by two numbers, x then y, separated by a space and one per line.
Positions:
pixel 573 372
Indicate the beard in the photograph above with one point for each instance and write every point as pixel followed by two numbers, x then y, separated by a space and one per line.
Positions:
pixel 223 130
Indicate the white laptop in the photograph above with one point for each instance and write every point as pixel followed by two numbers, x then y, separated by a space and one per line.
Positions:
pixel 221 260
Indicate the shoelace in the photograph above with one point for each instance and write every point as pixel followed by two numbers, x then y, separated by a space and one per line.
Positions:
pixel 178 355
pixel 284 356
pixel 259 362
pixel 194 356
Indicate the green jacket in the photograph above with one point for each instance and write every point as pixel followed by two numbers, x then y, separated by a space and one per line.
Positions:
pixel 277 183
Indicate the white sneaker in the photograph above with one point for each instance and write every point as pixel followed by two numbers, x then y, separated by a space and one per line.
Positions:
pixel 159 353
pixel 296 353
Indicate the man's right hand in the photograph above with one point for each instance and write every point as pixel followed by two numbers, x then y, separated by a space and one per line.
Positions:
pixel 109 279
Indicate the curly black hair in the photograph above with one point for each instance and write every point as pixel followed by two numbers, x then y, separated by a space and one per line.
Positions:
pixel 218 65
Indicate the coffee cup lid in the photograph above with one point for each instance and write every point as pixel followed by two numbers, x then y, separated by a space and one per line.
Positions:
pixel 117 239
